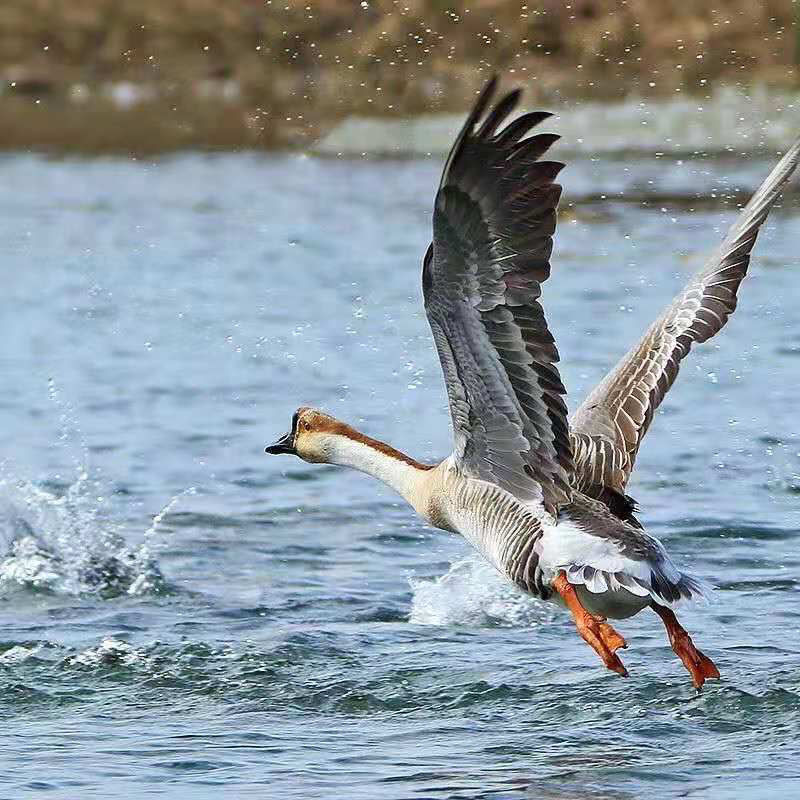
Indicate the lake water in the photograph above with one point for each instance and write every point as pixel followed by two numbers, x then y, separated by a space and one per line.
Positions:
pixel 183 616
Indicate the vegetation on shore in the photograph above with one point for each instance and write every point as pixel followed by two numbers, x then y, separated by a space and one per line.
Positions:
pixel 154 75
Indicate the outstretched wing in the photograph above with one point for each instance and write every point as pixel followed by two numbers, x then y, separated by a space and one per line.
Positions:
pixel 493 223
pixel 609 426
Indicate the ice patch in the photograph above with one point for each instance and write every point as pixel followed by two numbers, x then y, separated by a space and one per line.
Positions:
pixel 473 593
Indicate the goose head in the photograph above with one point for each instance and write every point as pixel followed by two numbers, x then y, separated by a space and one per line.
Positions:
pixel 312 437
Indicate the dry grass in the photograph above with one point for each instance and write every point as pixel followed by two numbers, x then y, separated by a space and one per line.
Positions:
pixel 314 60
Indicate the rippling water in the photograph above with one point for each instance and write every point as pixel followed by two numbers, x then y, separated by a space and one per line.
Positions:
pixel 181 613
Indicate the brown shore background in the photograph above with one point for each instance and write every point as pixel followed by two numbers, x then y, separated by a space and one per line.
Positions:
pixel 149 76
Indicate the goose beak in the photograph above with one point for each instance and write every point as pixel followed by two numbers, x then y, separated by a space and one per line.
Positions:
pixel 284 445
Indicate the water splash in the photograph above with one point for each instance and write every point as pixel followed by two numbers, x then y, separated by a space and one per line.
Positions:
pixel 67 544
pixel 473 593
pixel 63 539
pixel 70 436
pixel 147 580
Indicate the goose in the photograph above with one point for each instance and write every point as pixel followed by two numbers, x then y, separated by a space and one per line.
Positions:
pixel 542 499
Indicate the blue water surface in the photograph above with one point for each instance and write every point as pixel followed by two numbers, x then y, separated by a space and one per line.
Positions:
pixel 183 616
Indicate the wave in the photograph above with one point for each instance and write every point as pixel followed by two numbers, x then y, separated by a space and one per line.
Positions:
pixel 109 651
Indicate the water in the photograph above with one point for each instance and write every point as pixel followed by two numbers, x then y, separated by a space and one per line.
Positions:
pixel 181 614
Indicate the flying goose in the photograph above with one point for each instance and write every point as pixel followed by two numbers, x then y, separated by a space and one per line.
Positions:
pixel 543 501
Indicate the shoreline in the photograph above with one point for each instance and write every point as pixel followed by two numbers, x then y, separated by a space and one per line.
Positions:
pixel 125 119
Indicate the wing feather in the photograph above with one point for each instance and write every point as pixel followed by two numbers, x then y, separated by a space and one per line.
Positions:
pixel 493 222
pixel 619 410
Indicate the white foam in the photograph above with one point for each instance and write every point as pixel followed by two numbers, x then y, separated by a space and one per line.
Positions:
pixel 473 593
pixel 28 565
pixel 109 651
pixel 18 654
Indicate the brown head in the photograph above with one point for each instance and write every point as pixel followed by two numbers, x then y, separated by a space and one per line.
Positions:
pixel 317 437
pixel 307 437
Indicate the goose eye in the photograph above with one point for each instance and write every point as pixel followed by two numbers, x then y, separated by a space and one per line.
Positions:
pixel 306 425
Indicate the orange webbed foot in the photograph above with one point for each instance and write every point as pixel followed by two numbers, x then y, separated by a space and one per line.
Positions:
pixel 596 632
pixel 604 640
pixel 699 665
pixel 612 640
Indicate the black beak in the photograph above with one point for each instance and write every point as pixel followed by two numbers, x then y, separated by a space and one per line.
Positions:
pixel 284 445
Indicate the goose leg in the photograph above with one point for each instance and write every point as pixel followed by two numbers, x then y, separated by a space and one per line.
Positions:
pixel 699 665
pixel 598 634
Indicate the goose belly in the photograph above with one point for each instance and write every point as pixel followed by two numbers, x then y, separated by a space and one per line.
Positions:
pixel 505 532
pixel 614 604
